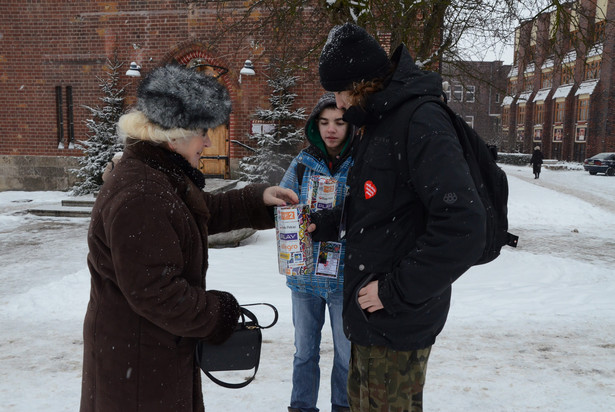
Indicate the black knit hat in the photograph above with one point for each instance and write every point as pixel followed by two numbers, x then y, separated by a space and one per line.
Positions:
pixel 351 55
pixel 173 96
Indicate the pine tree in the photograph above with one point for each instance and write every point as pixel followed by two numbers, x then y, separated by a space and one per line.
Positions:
pixel 276 148
pixel 102 141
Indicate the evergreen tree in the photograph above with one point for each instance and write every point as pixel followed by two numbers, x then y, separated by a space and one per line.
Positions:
pixel 276 148
pixel 102 141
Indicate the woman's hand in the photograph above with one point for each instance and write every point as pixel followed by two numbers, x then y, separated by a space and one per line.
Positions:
pixel 279 196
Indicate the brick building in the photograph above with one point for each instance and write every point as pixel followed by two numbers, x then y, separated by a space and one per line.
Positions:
pixel 475 91
pixel 560 90
pixel 51 53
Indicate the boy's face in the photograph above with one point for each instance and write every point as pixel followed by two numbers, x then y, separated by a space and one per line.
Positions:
pixel 332 130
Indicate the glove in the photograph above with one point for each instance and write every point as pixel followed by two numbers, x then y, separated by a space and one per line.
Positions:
pixel 228 316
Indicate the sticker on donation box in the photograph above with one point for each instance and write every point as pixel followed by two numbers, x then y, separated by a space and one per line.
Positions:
pixel 328 259
pixel 321 192
pixel 293 241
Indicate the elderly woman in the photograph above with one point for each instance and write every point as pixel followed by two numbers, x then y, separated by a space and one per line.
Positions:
pixel 148 251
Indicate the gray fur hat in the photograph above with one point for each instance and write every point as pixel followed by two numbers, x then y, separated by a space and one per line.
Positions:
pixel 173 96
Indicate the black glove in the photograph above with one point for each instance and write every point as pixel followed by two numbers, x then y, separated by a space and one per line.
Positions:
pixel 228 316
pixel 327 224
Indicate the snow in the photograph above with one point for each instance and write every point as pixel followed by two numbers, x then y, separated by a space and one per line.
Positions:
pixel 587 87
pixel 532 331
pixel 541 95
pixel 562 91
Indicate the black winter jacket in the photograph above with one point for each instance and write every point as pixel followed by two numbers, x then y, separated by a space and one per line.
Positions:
pixel 415 230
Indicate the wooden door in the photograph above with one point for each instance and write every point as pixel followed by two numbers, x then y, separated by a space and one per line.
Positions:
pixel 214 159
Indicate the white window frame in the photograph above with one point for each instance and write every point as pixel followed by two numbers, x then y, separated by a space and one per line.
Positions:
pixel 470 91
pixel 469 120
pixel 457 91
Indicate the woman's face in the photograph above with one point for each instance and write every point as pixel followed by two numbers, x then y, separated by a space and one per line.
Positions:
pixel 342 99
pixel 332 129
pixel 191 147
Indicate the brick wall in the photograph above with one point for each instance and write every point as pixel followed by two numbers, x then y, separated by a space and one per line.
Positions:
pixel 46 44
pixel 600 137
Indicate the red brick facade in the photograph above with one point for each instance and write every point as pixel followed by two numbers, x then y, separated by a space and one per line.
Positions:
pixel 561 96
pixel 51 45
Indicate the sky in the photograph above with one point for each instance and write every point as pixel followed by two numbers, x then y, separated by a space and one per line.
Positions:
pixel 533 330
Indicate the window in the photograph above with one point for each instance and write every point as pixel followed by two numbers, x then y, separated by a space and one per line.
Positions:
pixel 567 74
pixel 599 32
pixel 521 115
pixel 582 110
pixel 539 114
pixel 469 120
pixel 470 94
pixel 592 69
pixel 528 83
pixel 505 117
pixel 458 92
pixel 512 87
pixel 497 97
pixel 546 79
pixel 558 113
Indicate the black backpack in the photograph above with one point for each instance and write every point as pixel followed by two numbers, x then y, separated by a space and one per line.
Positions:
pixel 490 180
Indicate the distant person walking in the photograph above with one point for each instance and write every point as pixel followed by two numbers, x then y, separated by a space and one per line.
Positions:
pixel 536 161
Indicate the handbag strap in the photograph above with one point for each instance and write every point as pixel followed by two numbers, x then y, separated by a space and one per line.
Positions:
pixel 234 385
pixel 246 313
pixel 253 318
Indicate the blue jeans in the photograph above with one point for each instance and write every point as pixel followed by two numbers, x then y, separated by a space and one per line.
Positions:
pixel 308 318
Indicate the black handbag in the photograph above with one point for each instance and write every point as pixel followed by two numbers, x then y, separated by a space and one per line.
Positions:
pixel 242 351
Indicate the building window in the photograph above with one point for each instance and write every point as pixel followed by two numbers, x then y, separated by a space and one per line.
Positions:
pixel 458 92
pixel 512 87
pixel 582 110
pixel 568 74
pixel 497 97
pixel 528 83
pixel 539 114
pixel 521 115
pixel 505 117
pixel 558 113
pixel 546 79
pixel 558 134
pixel 592 69
pixel 599 31
pixel 470 94
pixel 469 120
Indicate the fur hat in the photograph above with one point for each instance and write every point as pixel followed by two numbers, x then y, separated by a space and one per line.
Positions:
pixel 351 55
pixel 173 97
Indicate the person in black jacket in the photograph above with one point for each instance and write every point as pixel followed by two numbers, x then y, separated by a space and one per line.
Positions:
pixel 536 161
pixel 413 220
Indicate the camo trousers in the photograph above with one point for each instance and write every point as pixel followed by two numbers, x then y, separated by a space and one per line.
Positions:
pixel 384 380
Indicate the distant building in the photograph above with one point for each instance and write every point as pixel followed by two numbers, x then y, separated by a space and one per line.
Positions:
pixel 560 93
pixel 475 92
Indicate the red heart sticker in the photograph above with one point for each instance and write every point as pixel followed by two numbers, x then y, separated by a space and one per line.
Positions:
pixel 370 189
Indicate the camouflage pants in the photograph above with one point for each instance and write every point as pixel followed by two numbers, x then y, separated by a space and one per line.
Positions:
pixel 384 380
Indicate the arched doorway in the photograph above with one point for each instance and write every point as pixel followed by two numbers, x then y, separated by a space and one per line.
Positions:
pixel 215 161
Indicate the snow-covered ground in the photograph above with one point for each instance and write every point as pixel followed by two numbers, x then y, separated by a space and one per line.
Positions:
pixel 532 331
